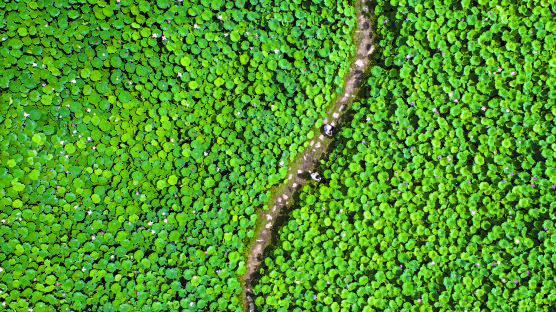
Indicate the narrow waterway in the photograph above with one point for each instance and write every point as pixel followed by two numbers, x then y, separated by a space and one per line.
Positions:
pixel 305 162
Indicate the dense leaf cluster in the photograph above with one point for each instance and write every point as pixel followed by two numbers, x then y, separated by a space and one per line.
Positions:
pixel 440 193
pixel 136 138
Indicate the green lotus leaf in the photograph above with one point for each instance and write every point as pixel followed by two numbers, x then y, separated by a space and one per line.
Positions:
pixel 124 96
pixel 141 70
pixel 69 148
pixel 104 105
pixel 97 62
pixel 173 180
pixel 165 96
pixel 235 36
pixel 73 14
pixel 95 198
pixel 50 280
pixel 116 77
pixel 162 85
pixel 130 67
pixel 163 4
pixel 102 88
pixel 96 75
pixel 116 61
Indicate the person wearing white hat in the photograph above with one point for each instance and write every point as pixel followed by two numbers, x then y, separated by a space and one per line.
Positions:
pixel 315 176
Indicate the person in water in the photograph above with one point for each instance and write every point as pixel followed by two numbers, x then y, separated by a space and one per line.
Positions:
pixel 328 129
pixel 315 176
